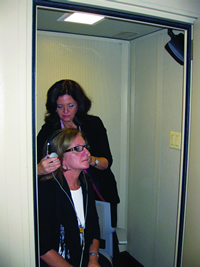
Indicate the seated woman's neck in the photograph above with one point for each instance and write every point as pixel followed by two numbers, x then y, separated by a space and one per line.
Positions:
pixel 72 180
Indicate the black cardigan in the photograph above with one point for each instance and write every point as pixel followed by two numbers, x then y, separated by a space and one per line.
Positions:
pixel 55 209
pixel 96 135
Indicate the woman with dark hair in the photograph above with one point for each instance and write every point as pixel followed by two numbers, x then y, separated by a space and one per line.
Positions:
pixel 68 220
pixel 72 89
pixel 67 106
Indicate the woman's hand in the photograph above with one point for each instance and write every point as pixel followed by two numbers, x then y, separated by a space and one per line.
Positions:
pixel 93 262
pixel 48 165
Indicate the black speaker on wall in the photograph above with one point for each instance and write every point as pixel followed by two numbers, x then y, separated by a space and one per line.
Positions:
pixel 175 47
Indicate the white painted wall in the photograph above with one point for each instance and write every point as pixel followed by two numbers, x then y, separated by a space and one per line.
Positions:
pixel 156 95
pixel 16 188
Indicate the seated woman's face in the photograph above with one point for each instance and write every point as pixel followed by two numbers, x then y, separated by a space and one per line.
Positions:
pixel 75 160
pixel 66 108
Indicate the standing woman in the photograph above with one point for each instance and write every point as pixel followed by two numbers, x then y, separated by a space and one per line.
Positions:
pixel 67 106
pixel 68 220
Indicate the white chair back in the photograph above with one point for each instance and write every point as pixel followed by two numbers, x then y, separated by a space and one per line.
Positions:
pixel 106 230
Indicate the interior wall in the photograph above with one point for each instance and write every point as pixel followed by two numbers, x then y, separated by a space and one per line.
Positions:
pixel 96 64
pixel 156 109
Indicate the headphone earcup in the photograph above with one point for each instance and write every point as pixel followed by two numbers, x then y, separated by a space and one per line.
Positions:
pixel 48 144
pixel 52 155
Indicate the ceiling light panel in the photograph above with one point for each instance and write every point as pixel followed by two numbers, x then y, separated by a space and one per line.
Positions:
pixel 83 18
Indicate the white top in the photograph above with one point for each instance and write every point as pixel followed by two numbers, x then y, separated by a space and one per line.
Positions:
pixel 77 197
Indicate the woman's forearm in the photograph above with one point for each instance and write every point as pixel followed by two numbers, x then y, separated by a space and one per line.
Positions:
pixel 94 253
pixel 53 259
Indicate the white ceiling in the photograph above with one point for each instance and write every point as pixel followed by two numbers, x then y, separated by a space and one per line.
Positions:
pixel 47 20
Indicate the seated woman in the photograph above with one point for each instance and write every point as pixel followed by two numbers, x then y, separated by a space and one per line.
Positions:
pixel 68 220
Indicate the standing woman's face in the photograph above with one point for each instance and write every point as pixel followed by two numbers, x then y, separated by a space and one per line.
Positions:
pixel 66 108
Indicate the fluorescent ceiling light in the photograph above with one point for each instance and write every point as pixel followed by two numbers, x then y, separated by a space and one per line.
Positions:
pixel 83 18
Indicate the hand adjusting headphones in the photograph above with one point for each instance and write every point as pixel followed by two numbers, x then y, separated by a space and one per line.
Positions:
pixel 53 154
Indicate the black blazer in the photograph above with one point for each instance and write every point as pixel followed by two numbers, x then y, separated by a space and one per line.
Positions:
pixel 55 209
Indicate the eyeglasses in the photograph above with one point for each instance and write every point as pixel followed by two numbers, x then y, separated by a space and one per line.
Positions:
pixel 78 148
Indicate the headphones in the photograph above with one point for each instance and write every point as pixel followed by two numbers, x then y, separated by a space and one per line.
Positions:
pixel 53 154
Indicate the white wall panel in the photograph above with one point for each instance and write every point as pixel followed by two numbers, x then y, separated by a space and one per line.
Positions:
pixel 154 167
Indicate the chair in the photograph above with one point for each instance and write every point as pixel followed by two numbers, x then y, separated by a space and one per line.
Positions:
pixel 106 230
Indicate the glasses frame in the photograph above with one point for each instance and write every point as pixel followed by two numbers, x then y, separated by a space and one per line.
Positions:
pixel 76 148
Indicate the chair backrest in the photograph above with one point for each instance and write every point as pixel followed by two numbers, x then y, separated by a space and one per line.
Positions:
pixel 106 230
